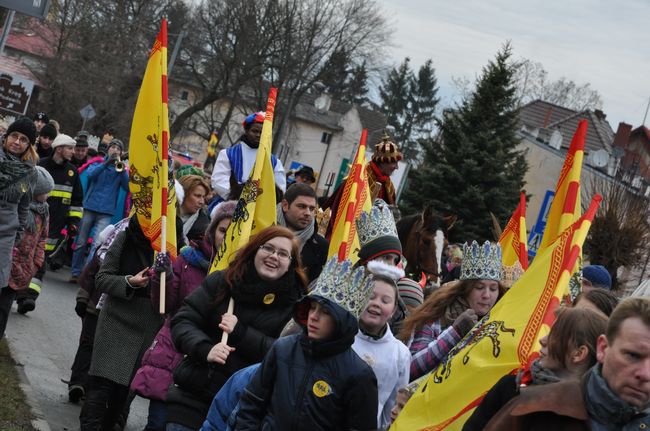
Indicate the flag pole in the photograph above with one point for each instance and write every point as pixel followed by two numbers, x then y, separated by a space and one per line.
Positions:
pixel 165 165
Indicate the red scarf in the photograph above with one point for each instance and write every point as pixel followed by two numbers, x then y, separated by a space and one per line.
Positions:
pixel 387 190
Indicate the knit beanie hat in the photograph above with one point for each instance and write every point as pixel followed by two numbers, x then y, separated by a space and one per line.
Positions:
pixel 63 139
pixel 49 131
pixel 380 246
pixel 222 210
pixel 42 116
pixel 25 126
pixel 116 142
pixel 410 291
pixel 44 181
pixel 598 276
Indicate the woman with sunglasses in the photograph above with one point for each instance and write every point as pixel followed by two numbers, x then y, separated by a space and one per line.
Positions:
pixel 264 278
pixel 17 180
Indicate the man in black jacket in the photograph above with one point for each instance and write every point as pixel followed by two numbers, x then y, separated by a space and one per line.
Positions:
pixel 296 211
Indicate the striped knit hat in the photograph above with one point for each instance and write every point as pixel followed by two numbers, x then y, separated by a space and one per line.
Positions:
pixel 410 291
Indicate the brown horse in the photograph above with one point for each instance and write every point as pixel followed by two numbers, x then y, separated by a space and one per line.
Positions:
pixel 424 237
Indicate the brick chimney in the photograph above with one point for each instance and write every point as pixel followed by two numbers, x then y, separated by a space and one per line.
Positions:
pixel 622 136
pixel 600 114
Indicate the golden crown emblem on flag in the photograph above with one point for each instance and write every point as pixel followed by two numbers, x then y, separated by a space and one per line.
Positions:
pixel 481 262
pixel 345 285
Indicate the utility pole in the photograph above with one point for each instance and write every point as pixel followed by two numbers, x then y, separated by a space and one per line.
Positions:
pixel 646 112
pixel 177 47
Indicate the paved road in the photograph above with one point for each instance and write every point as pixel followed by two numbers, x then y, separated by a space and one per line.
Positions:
pixel 45 341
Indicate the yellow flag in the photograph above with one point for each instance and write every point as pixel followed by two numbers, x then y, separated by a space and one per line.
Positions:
pixel 150 182
pixel 355 198
pixel 256 206
pixel 212 145
pixel 502 342
pixel 565 208
pixel 514 248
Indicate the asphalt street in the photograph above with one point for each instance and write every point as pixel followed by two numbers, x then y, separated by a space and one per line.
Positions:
pixel 44 342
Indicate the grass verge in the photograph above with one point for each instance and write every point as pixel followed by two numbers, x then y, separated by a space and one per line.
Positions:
pixel 15 413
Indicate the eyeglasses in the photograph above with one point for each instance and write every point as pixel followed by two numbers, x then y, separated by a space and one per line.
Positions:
pixel 20 138
pixel 269 250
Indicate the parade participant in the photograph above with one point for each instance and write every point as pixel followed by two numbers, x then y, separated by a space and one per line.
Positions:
pixel 192 207
pixel 296 211
pixel 599 300
pixel 451 311
pixel 567 352
pixel 304 175
pixel 87 308
pixel 388 357
pixel 612 395
pixel 186 274
pixel 40 120
pixel 234 164
pixel 314 380
pixel 452 263
pixel 264 279
pixel 17 181
pixel 29 251
pixel 46 137
pixel 100 199
pixel 126 327
pixel 596 277
pixel 81 149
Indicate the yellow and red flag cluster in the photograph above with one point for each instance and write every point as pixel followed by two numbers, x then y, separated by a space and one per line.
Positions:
pixel 514 247
pixel 256 205
pixel 151 185
pixel 355 198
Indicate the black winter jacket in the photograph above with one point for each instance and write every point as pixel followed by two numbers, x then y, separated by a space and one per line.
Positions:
pixel 311 385
pixel 314 255
pixel 262 309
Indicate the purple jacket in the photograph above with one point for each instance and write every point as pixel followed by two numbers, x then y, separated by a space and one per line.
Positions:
pixel 155 375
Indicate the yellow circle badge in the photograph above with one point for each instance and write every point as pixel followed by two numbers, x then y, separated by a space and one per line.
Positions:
pixel 70 173
pixel 268 298
pixel 321 389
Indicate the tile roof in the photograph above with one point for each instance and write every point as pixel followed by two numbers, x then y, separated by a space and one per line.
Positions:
pixel 38 40
pixel 537 114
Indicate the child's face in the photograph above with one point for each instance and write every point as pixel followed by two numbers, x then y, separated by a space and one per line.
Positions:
pixel 402 398
pixel 380 308
pixel 41 198
pixel 320 324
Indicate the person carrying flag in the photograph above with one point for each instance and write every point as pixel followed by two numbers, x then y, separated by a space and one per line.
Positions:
pixel 234 164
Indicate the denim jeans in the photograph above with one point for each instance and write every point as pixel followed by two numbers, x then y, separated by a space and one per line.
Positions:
pixel 90 222
pixel 177 427
pixel 157 415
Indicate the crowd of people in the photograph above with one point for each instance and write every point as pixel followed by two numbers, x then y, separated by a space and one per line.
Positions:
pixel 283 338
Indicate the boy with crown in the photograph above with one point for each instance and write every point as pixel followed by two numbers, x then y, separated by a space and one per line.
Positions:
pixel 314 380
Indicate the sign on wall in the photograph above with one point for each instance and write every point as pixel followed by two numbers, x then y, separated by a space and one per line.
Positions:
pixel 537 231
pixel 15 93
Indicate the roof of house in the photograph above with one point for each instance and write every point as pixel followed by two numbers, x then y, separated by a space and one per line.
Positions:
pixel 547 117
pixel 14 66
pixel 37 40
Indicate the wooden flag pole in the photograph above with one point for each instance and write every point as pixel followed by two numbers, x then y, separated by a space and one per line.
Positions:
pixel 231 308
pixel 165 164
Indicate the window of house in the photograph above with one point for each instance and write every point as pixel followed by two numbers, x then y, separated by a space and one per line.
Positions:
pixel 326 138
pixel 184 95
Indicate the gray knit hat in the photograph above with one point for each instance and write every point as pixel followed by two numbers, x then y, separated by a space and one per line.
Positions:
pixel 44 182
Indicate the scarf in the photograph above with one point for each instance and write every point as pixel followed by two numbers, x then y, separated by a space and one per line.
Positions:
pixel 377 179
pixel 195 257
pixel 35 207
pixel 453 310
pixel 536 375
pixel 187 225
pixel 603 405
pixel 302 235
pixel 16 177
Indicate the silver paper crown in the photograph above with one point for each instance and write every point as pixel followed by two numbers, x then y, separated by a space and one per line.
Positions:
pixel 481 262
pixel 344 285
pixel 377 223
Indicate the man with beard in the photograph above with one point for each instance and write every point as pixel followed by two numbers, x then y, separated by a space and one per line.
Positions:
pixel 296 211
pixel 234 164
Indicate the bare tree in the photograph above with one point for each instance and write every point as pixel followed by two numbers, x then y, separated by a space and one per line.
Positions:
pixel 533 83
pixel 620 233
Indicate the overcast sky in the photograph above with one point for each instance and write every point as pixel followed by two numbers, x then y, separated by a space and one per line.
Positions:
pixel 602 42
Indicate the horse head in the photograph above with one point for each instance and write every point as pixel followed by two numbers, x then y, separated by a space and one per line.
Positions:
pixel 424 237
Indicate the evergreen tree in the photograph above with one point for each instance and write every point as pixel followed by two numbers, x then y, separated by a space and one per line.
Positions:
pixel 357 91
pixel 474 168
pixel 394 93
pixel 335 73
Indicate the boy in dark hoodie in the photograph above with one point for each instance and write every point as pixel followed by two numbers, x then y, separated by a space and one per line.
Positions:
pixel 314 380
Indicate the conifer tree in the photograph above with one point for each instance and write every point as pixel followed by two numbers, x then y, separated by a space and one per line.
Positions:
pixel 473 167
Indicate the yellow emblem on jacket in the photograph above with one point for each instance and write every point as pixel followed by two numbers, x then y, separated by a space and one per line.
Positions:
pixel 269 298
pixel 70 172
pixel 321 389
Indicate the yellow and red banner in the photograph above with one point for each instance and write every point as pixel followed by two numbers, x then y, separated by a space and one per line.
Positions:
pixel 212 145
pixel 256 205
pixel 355 198
pixel 514 246
pixel 502 342
pixel 150 182
pixel 565 208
